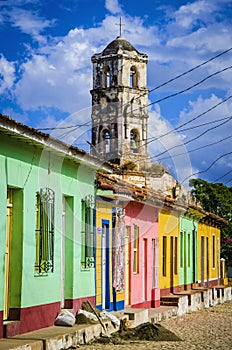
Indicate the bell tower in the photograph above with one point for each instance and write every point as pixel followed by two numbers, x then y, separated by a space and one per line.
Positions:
pixel 119 104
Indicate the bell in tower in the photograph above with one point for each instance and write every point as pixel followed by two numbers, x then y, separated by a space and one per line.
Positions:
pixel 119 104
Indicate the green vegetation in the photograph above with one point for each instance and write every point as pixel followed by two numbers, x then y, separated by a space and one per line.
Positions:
pixel 217 198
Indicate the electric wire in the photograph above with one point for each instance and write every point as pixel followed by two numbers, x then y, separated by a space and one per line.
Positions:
pixel 190 70
pixel 179 128
pixel 194 138
pixel 188 88
pixel 187 72
pixel 196 149
pixel 221 177
pixel 163 84
pixel 66 127
pixel 193 119
pixel 228 181
pixel 208 168
pixel 204 124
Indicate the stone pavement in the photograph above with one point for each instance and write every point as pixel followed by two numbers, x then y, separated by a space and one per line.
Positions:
pixel 209 328
pixel 202 330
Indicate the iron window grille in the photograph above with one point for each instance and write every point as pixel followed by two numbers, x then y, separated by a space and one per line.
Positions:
pixel 87 232
pixel 45 231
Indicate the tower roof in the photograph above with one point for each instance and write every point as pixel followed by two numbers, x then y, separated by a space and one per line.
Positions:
pixel 120 43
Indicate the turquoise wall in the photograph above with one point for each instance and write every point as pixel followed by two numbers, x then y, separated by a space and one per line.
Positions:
pixel 26 168
pixel 188 250
pixel 2 227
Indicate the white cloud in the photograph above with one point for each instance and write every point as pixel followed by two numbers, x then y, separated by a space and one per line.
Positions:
pixel 113 6
pixel 217 132
pixel 163 140
pixel 29 22
pixel 7 74
pixel 188 15
pixel 191 150
pixel 60 74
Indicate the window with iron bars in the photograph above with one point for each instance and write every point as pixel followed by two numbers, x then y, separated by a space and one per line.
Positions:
pixel 45 202
pixel 87 232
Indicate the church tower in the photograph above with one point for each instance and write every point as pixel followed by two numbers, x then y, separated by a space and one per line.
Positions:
pixel 119 104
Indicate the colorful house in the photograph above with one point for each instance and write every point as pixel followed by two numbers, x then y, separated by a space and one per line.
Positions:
pixel 47 232
pixel 141 255
pixel 109 293
pixel 168 229
pixel 188 248
pixel 110 242
pixel 209 250
pixel 138 240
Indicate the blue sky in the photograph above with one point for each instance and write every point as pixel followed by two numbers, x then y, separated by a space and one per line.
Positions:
pixel 46 73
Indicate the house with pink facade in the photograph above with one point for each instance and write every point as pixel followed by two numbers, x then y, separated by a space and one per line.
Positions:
pixel 140 243
pixel 141 255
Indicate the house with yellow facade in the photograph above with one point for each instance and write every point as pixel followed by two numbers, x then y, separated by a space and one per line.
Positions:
pixel 209 273
pixel 189 249
pixel 109 247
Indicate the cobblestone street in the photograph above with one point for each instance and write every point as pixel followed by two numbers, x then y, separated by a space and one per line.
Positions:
pixel 206 329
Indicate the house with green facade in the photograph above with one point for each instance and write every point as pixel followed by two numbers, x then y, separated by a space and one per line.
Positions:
pixel 46 227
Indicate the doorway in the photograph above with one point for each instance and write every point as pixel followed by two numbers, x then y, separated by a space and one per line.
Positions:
pixel 128 265
pixel 105 262
pixel 171 263
pixel 144 270
pixel 202 261
pixel 9 215
pixel 66 252
pixel 13 254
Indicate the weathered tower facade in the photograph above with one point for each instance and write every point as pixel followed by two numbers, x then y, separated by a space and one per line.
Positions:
pixel 119 104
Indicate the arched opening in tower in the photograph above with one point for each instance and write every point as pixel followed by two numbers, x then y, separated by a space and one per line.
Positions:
pixel 134 141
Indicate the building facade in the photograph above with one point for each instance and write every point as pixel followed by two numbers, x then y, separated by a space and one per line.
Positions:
pixel 109 252
pixel 141 255
pixel 47 229
pixel 119 104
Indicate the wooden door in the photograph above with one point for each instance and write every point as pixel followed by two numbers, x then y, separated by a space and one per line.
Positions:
pixel 202 261
pixel 144 270
pixel 171 263
pixel 9 210
pixel 128 265
pixel 63 252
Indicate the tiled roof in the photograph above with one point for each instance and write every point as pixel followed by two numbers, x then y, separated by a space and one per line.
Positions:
pixel 31 135
pixel 141 194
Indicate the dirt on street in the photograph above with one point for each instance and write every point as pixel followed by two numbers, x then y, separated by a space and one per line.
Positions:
pixel 206 329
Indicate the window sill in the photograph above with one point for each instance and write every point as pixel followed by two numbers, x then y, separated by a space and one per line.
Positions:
pixel 40 274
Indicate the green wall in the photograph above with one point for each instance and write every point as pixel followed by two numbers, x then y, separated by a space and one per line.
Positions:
pixel 188 250
pixel 2 227
pixel 26 168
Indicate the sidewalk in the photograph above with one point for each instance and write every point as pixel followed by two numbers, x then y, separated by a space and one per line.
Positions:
pixel 60 338
pixel 57 337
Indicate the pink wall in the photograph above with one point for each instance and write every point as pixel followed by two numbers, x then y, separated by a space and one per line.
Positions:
pixel 146 218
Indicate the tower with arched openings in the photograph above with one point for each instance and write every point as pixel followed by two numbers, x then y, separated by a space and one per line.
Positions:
pixel 119 104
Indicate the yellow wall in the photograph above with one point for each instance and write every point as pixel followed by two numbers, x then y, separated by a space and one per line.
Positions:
pixel 168 226
pixel 207 231
pixel 104 212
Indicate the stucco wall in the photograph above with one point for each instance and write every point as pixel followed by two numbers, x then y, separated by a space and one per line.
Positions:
pixel 26 168
pixel 210 272
pixel 146 218
pixel 168 227
pixel 188 261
